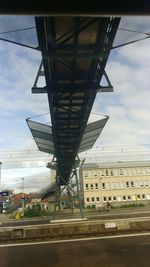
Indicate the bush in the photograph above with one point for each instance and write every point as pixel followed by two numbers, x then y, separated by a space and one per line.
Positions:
pixel 88 207
pixel 35 212
pixel 91 207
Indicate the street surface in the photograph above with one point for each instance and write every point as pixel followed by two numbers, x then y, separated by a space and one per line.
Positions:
pixel 131 251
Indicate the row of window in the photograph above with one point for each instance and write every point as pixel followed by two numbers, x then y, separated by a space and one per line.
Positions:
pixel 92 199
pixel 117 172
pixel 91 186
pixel 118 185
pixel 118 198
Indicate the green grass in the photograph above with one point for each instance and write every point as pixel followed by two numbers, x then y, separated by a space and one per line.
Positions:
pixel 133 205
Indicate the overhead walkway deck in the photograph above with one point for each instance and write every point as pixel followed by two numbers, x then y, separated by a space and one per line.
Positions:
pixel 43 137
pixel 74 55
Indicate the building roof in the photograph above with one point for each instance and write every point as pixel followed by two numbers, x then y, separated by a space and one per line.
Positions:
pixel 118 164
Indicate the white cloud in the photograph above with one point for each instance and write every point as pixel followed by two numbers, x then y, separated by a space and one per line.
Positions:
pixel 129 105
pixel 33 182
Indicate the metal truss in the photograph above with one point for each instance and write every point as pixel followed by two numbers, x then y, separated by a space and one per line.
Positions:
pixel 72 191
pixel 74 55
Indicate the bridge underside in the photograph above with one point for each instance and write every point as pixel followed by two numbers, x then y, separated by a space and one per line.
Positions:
pixel 74 54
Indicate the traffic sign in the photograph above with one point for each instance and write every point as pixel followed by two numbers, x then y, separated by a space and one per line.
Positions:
pixel 4 193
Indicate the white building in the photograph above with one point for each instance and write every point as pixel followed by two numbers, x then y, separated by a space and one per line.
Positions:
pixel 119 183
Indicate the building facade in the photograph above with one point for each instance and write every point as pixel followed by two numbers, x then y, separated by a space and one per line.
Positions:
pixel 118 183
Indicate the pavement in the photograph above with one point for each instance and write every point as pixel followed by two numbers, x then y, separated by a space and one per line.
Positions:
pixel 118 238
pixel 112 251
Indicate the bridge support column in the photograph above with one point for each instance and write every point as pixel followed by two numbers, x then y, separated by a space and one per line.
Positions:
pixel 57 196
pixel 78 185
pixel 72 194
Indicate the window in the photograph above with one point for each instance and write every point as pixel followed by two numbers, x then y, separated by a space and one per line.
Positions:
pixel 119 198
pixel 107 185
pixel 114 198
pixel 86 186
pixel 93 199
pixel 141 183
pixel 112 185
pixel 115 172
pixel 143 170
pixel 124 197
pixel 148 170
pixel 92 186
pixel 102 172
pixel 120 171
pixel 95 174
pixel 138 197
pixel 125 172
pixel 143 196
pixel 134 171
pixel 132 184
pixel 103 185
pixel 129 197
pixel 109 198
pixel 129 171
pixel 136 183
pixel 127 184
pixel 87 199
pixel 134 197
pixel 97 199
pixel 139 171
pixel 85 174
pixel 106 172
pixel 111 173
pixel 122 185
pixel 146 183
pixel 96 186
pixel 105 199
pixel 117 185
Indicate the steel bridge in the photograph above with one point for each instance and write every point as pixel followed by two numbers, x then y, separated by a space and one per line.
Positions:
pixel 74 51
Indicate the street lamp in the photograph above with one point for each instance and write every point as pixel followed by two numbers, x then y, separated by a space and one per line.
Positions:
pixel 23 194
pixel 0 173
pixel 101 193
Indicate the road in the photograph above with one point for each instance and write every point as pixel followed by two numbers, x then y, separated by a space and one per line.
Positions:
pixel 129 251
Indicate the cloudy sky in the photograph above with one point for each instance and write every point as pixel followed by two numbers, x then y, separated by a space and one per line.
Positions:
pixel 128 106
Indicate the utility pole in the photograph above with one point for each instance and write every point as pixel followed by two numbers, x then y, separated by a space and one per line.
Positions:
pixel 23 195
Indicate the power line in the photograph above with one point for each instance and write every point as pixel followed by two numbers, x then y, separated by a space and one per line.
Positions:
pixel 131 42
pixel 135 31
pixel 11 167
pixel 20 44
pixel 17 30
pixel 134 41
pixel 38 115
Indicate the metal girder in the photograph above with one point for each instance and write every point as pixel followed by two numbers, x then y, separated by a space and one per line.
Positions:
pixel 74 54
